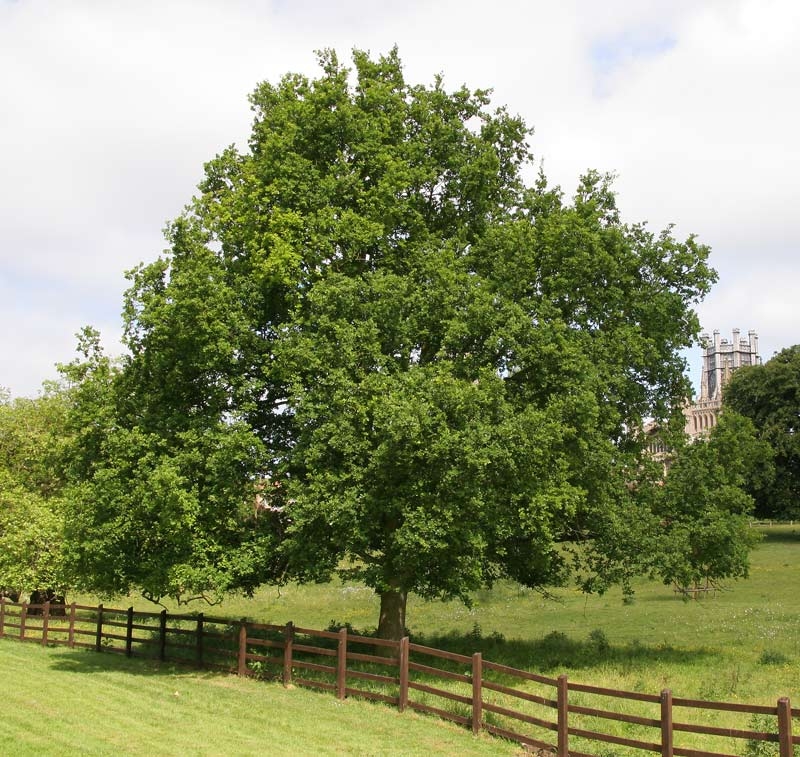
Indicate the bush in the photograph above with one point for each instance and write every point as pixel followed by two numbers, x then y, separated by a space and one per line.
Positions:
pixel 773 657
pixel 754 748
pixel 598 641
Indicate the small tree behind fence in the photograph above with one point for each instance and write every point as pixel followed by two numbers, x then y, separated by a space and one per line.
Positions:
pixel 552 714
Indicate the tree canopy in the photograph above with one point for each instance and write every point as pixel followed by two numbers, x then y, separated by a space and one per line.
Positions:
pixel 769 395
pixel 704 512
pixel 374 348
pixel 32 436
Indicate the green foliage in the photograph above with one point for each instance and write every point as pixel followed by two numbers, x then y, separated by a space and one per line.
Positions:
pixel 704 510
pixel 31 530
pixel 769 395
pixel 757 748
pixel 32 435
pixel 599 641
pixel 164 504
pixel 773 657
pixel 435 371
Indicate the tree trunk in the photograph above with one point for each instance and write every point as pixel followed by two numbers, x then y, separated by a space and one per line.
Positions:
pixel 42 596
pixel 392 621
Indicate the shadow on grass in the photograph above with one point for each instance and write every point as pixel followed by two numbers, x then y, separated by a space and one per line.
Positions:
pixel 90 661
pixel 676 597
pixel 550 654
pixel 556 651
pixel 781 535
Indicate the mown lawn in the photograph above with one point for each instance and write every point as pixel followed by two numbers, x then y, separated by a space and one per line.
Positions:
pixel 73 702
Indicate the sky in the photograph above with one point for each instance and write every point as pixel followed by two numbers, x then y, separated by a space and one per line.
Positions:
pixel 110 108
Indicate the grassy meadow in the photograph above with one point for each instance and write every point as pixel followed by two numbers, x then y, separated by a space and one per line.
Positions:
pixel 742 645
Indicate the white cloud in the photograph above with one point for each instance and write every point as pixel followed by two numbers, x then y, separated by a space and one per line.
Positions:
pixel 108 111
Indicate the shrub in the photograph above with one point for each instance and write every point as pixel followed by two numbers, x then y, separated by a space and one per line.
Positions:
pixel 598 641
pixel 772 657
pixel 754 748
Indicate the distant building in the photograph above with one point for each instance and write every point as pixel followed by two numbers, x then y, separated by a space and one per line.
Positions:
pixel 720 359
pixel 656 447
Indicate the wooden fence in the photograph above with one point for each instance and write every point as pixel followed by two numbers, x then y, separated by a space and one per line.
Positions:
pixel 550 714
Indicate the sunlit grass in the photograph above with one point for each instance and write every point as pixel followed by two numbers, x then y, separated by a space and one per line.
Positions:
pixel 742 644
pixel 58 701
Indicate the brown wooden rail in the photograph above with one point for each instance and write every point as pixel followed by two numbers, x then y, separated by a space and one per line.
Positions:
pixel 528 708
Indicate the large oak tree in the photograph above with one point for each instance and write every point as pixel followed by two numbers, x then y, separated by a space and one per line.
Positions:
pixel 428 372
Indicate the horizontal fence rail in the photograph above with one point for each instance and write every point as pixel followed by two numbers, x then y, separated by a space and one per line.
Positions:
pixel 551 714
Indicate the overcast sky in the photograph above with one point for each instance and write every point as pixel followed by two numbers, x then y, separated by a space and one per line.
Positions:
pixel 109 109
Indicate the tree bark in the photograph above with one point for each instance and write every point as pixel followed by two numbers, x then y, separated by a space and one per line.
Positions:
pixel 392 621
pixel 42 596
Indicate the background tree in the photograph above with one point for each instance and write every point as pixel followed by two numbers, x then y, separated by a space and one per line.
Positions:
pixel 165 505
pixel 703 509
pixel 440 371
pixel 769 395
pixel 32 436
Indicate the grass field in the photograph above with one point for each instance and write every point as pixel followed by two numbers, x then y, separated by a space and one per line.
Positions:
pixel 742 645
pixel 73 702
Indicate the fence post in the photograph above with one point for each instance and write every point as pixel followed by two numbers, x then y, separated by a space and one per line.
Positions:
pixel 666 723
pixel 288 641
pixel 199 651
pixel 477 692
pixel 403 663
pixel 2 617
pixel 71 636
pixel 23 616
pixel 98 638
pixel 563 721
pixel 162 635
pixel 45 622
pixel 341 664
pixel 129 633
pixel 785 727
pixel 242 656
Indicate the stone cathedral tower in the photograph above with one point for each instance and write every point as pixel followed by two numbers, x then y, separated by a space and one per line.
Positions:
pixel 720 359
